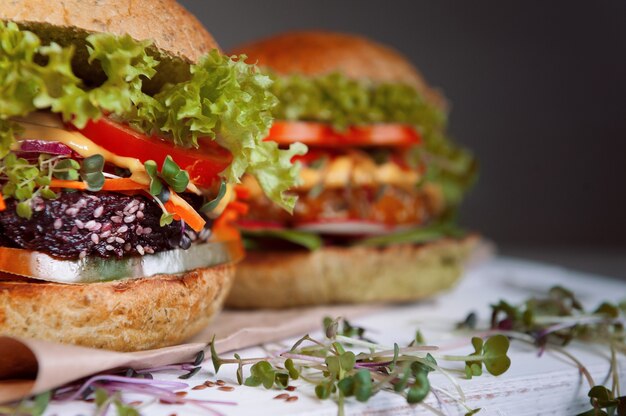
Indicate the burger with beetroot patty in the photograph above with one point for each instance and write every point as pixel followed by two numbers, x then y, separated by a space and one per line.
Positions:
pixel 123 133
pixel 379 187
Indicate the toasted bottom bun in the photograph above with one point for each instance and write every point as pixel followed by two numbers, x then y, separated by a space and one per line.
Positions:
pixel 398 273
pixel 126 315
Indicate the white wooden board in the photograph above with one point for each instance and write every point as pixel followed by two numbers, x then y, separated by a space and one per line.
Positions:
pixel 534 385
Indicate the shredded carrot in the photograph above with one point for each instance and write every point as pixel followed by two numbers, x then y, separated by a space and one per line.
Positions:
pixel 223 228
pixel 122 184
pixel 3 206
pixel 60 183
pixel 240 207
pixel 182 210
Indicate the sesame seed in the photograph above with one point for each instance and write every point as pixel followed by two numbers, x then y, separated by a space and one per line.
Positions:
pixel 140 249
pixel 74 230
pixel 127 247
pixel 109 247
pixel 97 213
pixel 79 224
pixel 116 219
pixel 71 212
pixel 142 206
pixel 105 234
pixel 58 223
pixel 82 254
pixel 90 225
pixel 95 238
pixel 139 215
pixel 132 210
pixel 122 229
pixel 106 226
pixel 119 213
pixel 110 240
pixel 139 230
pixel 148 250
pixel 147 230
pixel 97 227
pixel 129 219
pixel 119 240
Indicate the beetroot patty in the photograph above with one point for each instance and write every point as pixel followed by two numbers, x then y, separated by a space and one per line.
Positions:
pixel 106 224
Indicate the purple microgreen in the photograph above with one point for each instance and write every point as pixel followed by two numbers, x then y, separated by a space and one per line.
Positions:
pixel 127 380
pixel 173 367
pixel 342 374
pixel 552 321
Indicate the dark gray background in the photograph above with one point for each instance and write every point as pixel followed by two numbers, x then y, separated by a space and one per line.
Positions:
pixel 538 91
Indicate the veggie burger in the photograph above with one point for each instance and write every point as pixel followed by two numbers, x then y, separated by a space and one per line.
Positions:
pixel 378 189
pixel 123 131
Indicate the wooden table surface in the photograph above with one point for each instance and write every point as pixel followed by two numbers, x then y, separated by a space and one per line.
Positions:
pixel 532 386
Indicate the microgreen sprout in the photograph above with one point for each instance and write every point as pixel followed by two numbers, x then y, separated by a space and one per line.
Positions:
pixel 212 204
pixel 551 322
pixel 28 178
pixel 338 372
pixel 35 406
pixel 91 172
pixel 171 176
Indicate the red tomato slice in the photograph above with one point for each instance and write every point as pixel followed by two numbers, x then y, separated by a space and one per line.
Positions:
pixel 319 134
pixel 203 164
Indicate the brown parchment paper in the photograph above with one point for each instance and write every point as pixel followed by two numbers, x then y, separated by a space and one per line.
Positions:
pixel 29 366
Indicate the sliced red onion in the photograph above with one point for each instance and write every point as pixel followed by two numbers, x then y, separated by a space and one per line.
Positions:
pixel 350 227
pixel 259 225
pixel 43 146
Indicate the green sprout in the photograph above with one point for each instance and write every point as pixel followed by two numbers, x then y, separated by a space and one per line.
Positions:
pixel 552 322
pixel 25 180
pixel 340 373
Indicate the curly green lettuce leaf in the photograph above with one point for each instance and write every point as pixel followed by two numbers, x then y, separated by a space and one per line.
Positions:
pixel 224 99
pixel 342 102
pixel 228 100
pixel 28 85
pixel 313 241
pixel 304 239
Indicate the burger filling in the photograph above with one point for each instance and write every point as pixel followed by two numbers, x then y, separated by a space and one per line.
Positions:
pixel 380 164
pixel 101 168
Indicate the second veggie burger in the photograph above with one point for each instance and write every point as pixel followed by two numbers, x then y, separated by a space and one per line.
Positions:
pixel 379 186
